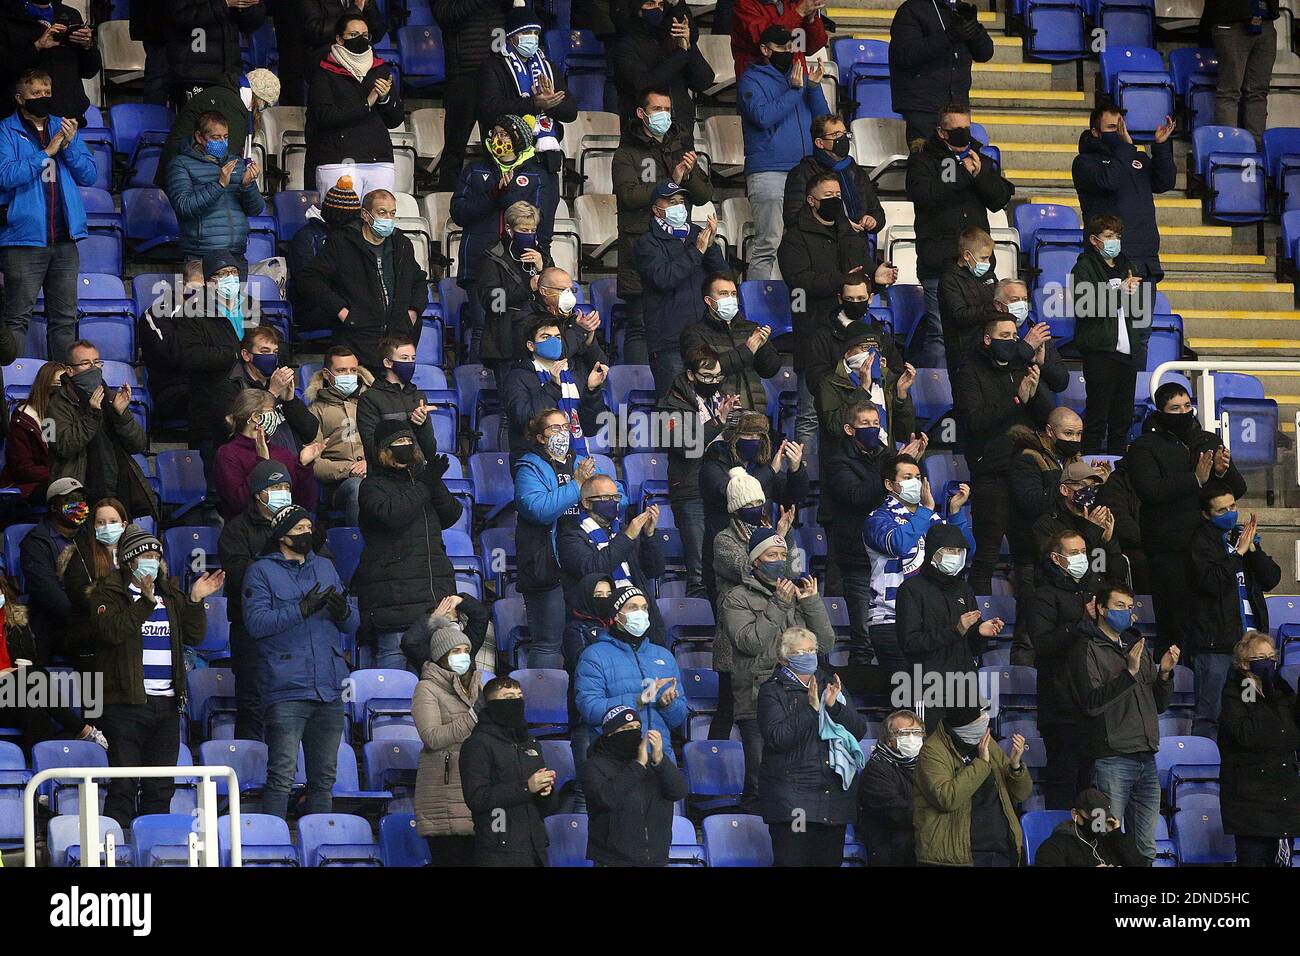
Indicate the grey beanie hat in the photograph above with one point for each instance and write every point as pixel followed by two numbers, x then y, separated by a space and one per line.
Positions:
pixel 444 634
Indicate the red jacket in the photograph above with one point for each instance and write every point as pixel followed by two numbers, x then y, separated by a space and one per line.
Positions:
pixel 27 457
pixel 235 462
pixel 751 17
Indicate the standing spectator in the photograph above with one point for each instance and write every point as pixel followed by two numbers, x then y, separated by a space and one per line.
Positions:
pixel 887 793
pixel 778 99
pixel 257 366
pixel 744 350
pixel 239 100
pixel 469 28
pixel 147 22
pixel 1075 508
pixel 340 207
pixel 966 291
pixel 209 333
pixel 290 48
pixel 808 783
pixel 1091 837
pixel 213 195
pixel 555 299
pixel 1168 466
pixel 446 707
pixel 391 397
pixel 252 423
pixel 465 612
pixel 333 393
pixel 863 376
pixel 368 279
pixel 1259 790
pixel 38 561
pixel 952 187
pixel 319 20
pixel 94 435
pixel 849 318
pixel 405 506
pixel 1113 178
pixel 658 48
pixel 1244 38
pixel 52 37
pixel 91 556
pixel 27 451
pixel 195 66
pixel 1121 692
pixel 553 379
pixel 505 782
pixel 295 608
pixel 42 162
pixel 749 511
pixel 930 59
pixel 631 786
pixel 830 154
pixel 507 277
pixel 1035 473
pixel 140 633
pixel 751 19
pixel 1230 571
pixel 672 260
pixel 657 148
pixel 353 105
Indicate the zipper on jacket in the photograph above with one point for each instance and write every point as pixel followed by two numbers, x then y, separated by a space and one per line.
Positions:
pixel 446 767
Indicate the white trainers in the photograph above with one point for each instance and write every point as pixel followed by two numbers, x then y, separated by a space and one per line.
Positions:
pixel 97 736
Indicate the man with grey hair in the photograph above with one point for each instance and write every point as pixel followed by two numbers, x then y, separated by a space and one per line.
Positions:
pixel 1012 296
pixel 887 792
pixel 507 279
pixel 553 296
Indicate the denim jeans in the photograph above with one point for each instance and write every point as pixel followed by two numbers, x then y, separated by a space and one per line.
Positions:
pixel 318 726
pixel 140 735
pixel 807 428
pixel 1245 69
pixel 665 365
pixel 926 349
pixel 388 651
pixel 545 613
pixel 857 594
pixel 767 200
pixel 690 522
pixel 28 270
pixel 1131 783
pixel 245 661
pixel 1211 672
pixel 751 739
pixel 634 344
pixel 346 498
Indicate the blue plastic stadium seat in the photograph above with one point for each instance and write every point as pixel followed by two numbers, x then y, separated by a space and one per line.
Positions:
pixel 162 839
pixel 131 120
pixel 546 695
pixel 737 839
pixel 246 757
pixel 391 763
pixel 1054 30
pixel 567 833
pixel 1126 22
pixel 336 839
pixel 715 769
pixel 148 219
pixel 423 54
pixel 291 207
pixel 767 302
pixel 380 694
pixel 399 842
pixel 263 841
pixel 1199 837
pixel 1232 172
pixel 1038 826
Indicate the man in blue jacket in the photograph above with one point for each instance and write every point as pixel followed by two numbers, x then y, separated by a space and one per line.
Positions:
pixel 42 162
pixel 295 608
pixel 213 195
pixel 778 100
pixel 623 667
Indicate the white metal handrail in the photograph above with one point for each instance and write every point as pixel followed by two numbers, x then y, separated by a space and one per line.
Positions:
pixel 1203 383
pixel 88 809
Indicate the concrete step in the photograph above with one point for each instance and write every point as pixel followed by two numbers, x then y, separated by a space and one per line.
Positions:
pixel 1023 82
pixel 1213 263
pixel 1171 210
pixel 1030 178
pixel 849 20
pixel 1234 299
pixel 1024 155
pixel 1005 49
pixel 1209 341
pixel 1007 120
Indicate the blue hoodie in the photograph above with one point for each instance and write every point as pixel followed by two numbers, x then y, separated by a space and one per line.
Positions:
pixel 21 162
pixel 300 659
pixel 610 673
pixel 776 119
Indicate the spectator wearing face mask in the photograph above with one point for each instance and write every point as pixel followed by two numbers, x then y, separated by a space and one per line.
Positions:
pixel 508 274
pixel 743 348
pixel 749 510
pixel 862 375
pixel 338 207
pixel 966 291
pixel 886 795
pixel 847 319
pixel 1074 508
pixel 896 539
pixel 1011 296
pixel 1231 571
pixel 333 393
pixel 92 555
pixel 940 628
pixel 391 396
pixel 27 453
pixel 239 99
pixel 252 422
pixel 53 37
pixel 38 561
pixel 1259 790
pixel 1091 837
pixel 554 378
pixel 210 338
pixel 260 365
pixel 830 153
pixel 554 298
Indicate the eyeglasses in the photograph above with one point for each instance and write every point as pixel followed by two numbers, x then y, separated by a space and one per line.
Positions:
pixel 554 429
pixel 709 379
pixel 86 363
pixel 603 498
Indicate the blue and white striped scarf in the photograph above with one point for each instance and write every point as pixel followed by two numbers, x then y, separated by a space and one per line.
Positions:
pixel 568 403
pixel 599 537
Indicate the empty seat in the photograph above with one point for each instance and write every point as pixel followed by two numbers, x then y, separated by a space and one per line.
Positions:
pixel 737 839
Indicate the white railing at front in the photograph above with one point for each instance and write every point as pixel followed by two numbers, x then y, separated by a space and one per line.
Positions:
pixel 203 850
pixel 1203 382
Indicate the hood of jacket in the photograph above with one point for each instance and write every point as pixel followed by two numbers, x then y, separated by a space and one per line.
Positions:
pixel 584 604
pixel 1089 144
pixel 318 390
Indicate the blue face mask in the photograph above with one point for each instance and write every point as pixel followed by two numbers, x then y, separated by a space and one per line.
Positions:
pixel 747 448
pixel 146 568
pixel 608 510
pixel 345 384
pixel 802 663
pixel 550 349
pixel 217 149
pixel 867 437
pixel 659 123
pixel 1226 521
pixel 109 533
pixel 772 571
pixel 228 287
pixel 978 269
pixel 277 499
pixel 526 46
pixel 405 371
pixel 265 364
pixel 676 216
pixel 1119 621
pixel 383 228
pixel 637 623
pixel 752 516
pixel 1110 248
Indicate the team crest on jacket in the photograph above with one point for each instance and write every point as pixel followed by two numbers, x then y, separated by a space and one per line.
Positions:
pixel 102 610
pixel 521 181
pixel 1137 164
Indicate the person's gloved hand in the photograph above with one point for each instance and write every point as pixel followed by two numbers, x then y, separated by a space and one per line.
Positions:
pixel 337 605
pixel 438 465
pixel 312 602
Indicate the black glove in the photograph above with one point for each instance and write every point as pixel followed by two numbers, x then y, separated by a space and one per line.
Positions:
pixel 966 11
pixel 438 465
pixel 968 29
pixel 337 605
pixel 312 602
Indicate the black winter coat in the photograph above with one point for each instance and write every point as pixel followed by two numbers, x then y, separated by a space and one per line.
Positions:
pixel 630 808
pixel 47 602
pixel 305 245
pixel 1122 181
pixel 468 31
pixel 67 63
pixel 796 190
pixel 672 271
pixel 948 199
pixel 242 540
pixel 479 206
pixel 500 270
pixel 1214 625
pixel 683 463
pixel 523 395
pixel 965 304
pixel 853 489
pixel 498 96
pixel 796 773
pixel 385 400
pixel 148 20
pixel 744 370
pixel 579 558
pixel 1259 785
pixel 209 349
pixel 1070 845
pixel 320 17
pixel 644 57
pixel 1060 518
pixel 221 26
pixel 494 771
pixel 341 125
pixel 929 605
pixel 987 406
pixel 929 65
pixel 1051 613
pixel 1034 476
pixel 829 339
pixel 885 798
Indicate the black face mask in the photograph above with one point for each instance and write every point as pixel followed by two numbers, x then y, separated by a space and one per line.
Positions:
pixel 86 382
pixel 782 60
pixel 706 389
pixel 357 45
pixel 39 107
pixel 959 137
pixel 1068 448
pixel 831 208
pixel 402 454
pixel 1003 350
pixel 603 606
pixel 507 712
pixel 299 543
pixel 855 310
pixel 1180 424
pixel 623 744
pixel 840 147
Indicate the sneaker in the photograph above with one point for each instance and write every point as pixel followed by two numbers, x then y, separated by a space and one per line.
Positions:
pixel 97 736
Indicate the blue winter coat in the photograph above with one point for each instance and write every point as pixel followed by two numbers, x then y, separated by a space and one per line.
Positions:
pixel 776 119
pixel 21 162
pixel 610 673
pixel 300 659
pixel 212 218
pixel 479 207
pixel 672 271
pixel 540 501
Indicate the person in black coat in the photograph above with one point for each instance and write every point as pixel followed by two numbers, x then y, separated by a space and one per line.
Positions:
pixel 393 397
pixel 52 38
pixel 966 291
pixel 849 319
pixel 1074 508
pixel 1168 465
pixel 507 278
pixel 319 20
pixel 830 139
pixel 743 348
pixel 194 67
pixel 404 569
pixel 505 781
pixel 939 622
pixel 147 22
pixel 554 298
pixel 468 31
pixel 370 301
pixel 808 787
pixel 1091 837
pixel 1230 573
pixel 930 54
pixel 38 560
pixel 658 47
pixel 1259 789
pixel 339 207
pixel 470 614
pixel 886 791
pixel 631 787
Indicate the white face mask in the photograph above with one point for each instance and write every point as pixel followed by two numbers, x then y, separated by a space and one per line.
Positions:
pixel 856 362
pixel 459 663
pixel 566 302
pixel 727 307
pixel 558 445
pixel 909 745
pixel 909 491
pixel 1018 309
pixel 949 563
pixel 972 733
pixel 1076 565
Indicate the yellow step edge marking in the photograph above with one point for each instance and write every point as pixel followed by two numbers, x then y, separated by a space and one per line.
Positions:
pixel 1029 119
pixel 1162 202
pixel 1196 286
pixel 1196 258
pixel 1037 174
pixel 1245 344
pixel 1284 399
pixel 854 13
pixel 1039 147
pixel 1266 316
pixel 998 39
pixel 1216 232
pixel 1012 68
pixel 1052 96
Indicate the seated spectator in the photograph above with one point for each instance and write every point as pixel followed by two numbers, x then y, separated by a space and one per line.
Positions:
pixel 42 157
pixel 391 396
pixel 139 642
pixel 966 789
pixel 742 347
pixel 194 70
pixel 260 366
pixel 752 617
pixel 27 453
pixel 672 258
pixel 511 173
pixel 657 46
pixel 863 375
pixel 53 38
pixel 91 555
pixel 830 154
pixel 339 208
pixel 239 100
pixel 507 277
pixel 94 435
pixel 38 560
pixel 1231 571
pixel 631 785
pixel 333 393
pixel 1074 508
pixel 213 195
pixel 353 103
pixel 847 318
pixel 887 793
pixel 464 612
pixel 555 378
pixel 778 97
pixel 1091 837
pixel 1258 786
pixel 808 783
pixel 505 781
pixel 405 506
pixel 752 18
pixel 367 278
pixel 966 291
pixel 555 299
pixel 252 423
pixel 930 61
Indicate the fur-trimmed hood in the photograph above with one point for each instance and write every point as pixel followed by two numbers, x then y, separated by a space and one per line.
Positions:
pixel 317 389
